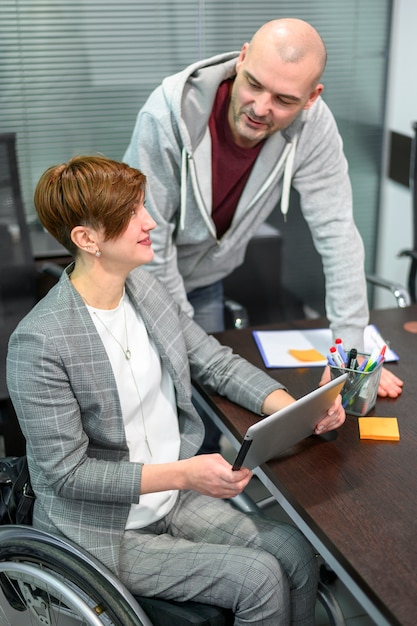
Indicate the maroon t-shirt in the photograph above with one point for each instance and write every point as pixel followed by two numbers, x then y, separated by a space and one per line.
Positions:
pixel 231 164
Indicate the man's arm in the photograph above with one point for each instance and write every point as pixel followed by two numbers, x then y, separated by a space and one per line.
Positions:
pixel 326 198
pixel 321 178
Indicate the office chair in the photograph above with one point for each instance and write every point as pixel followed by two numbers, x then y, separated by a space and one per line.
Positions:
pixel 18 278
pixel 413 187
pixel 406 296
pixel 400 293
pixel 254 293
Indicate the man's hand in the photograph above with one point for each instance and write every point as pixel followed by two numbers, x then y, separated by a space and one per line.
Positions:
pixel 390 386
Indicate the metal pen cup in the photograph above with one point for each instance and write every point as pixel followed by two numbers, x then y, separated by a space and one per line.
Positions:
pixel 360 391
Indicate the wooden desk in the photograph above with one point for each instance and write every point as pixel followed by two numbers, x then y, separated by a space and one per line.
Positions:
pixel 355 500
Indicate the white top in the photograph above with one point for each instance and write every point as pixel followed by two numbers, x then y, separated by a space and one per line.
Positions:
pixel 147 399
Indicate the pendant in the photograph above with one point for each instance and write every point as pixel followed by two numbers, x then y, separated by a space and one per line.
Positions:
pixel 128 354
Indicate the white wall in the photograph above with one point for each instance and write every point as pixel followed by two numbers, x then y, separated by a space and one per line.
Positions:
pixel 395 227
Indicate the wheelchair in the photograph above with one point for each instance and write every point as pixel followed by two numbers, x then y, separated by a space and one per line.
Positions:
pixel 57 583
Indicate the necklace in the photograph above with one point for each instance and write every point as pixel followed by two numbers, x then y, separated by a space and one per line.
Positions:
pixel 128 355
pixel 126 351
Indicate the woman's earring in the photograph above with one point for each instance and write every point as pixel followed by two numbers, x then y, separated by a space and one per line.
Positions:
pixel 98 253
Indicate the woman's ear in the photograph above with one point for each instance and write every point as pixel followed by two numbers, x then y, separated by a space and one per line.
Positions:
pixel 83 238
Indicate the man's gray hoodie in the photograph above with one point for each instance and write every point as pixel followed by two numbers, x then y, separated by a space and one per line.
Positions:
pixel 171 144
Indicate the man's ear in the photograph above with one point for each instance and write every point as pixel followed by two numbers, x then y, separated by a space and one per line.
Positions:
pixel 313 96
pixel 242 55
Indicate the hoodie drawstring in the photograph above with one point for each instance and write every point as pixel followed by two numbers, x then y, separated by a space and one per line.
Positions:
pixel 286 184
pixel 287 158
pixel 183 188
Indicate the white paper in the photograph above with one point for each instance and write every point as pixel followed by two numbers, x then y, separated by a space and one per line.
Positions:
pixel 275 344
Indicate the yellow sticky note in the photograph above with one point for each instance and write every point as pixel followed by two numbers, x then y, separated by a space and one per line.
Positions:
pixel 307 355
pixel 381 428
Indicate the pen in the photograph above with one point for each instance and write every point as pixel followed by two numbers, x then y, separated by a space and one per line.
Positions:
pixel 337 357
pixel 382 353
pixel 372 366
pixel 330 360
pixel 372 359
pixel 363 365
pixel 352 363
pixel 380 358
pixel 339 345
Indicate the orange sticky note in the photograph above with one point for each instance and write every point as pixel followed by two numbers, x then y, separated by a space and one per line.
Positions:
pixel 307 355
pixel 381 428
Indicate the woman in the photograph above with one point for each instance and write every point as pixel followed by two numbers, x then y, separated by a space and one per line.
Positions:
pixel 100 376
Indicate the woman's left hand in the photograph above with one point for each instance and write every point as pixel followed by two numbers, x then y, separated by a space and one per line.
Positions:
pixel 333 419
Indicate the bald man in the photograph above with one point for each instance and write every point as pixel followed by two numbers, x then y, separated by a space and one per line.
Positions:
pixel 221 143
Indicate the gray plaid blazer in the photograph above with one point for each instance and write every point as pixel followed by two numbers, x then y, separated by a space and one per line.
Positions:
pixel 64 392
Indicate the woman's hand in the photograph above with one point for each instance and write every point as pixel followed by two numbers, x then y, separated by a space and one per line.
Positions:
pixel 209 474
pixel 333 419
pixel 212 475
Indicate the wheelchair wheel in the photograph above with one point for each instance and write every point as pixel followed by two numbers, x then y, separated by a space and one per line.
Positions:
pixel 57 584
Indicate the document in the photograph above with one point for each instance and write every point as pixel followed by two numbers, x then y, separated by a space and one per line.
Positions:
pixel 309 348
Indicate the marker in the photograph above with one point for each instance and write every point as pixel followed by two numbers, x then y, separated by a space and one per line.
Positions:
pixel 363 366
pixel 339 345
pixel 372 366
pixel 382 353
pixel 337 357
pixel 379 360
pixel 372 359
pixel 330 360
pixel 352 362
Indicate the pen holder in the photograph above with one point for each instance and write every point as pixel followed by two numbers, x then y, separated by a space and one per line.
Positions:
pixel 360 390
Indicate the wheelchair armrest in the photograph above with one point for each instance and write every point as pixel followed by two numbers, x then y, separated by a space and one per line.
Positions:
pixel 236 313
pixel 400 293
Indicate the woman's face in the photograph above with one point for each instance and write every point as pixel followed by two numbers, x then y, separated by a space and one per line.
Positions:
pixel 133 247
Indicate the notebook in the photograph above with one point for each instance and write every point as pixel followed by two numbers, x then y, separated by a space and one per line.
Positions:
pixel 272 435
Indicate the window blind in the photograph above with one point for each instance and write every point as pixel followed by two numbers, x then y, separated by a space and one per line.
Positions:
pixel 74 74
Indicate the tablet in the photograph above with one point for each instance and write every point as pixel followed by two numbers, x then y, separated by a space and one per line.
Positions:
pixel 272 435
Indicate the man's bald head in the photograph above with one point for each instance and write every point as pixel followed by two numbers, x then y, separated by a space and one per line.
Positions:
pixel 277 76
pixel 294 40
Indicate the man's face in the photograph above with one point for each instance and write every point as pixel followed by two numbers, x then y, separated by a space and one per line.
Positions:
pixel 268 94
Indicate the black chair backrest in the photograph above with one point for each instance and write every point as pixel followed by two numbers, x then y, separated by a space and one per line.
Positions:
pixel 413 182
pixel 17 265
pixel 412 274
pixel 12 214
pixel 257 283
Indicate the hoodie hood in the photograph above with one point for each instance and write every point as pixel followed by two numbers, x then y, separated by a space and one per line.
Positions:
pixel 190 94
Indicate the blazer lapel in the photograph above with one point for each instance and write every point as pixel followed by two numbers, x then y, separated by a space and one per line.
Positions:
pixel 160 317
